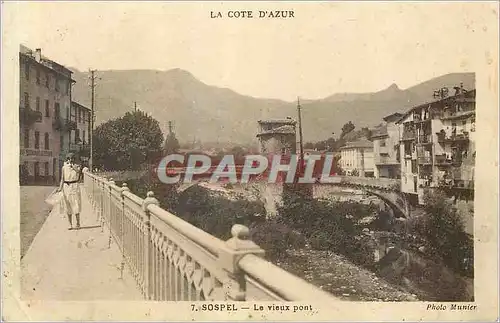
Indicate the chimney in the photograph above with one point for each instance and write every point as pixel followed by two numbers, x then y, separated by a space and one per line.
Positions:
pixel 38 55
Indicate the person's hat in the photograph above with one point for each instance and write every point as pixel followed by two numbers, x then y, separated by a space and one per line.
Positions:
pixel 70 155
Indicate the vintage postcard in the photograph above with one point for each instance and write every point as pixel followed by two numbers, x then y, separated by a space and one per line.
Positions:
pixel 250 161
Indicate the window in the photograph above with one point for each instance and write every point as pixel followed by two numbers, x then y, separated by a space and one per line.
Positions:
pixel 47 81
pixel 37 76
pixel 57 110
pixel 57 85
pixel 27 70
pixel 26 138
pixel 83 137
pixel 46 169
pixel 61 142
pixel 77 136
pixel 37 140
pixel 47 110
pixel 382 142
pixel 37 103
pixel 46 141
pixel 79 115
pixel 26 100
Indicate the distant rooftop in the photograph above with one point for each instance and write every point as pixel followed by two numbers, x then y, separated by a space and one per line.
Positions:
pixel 465 94
pixel 381 131
pixel 285 130
pixel 79 105
pixel 36 56
pixel 358 144
pixel 393 117
pixel 287 121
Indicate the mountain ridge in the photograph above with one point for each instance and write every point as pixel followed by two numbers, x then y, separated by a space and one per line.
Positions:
pixel 217 114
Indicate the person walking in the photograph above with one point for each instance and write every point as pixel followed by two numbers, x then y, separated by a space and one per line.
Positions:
pixel 70 176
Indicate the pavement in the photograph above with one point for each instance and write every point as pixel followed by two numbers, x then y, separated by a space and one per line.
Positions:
pixel 75 265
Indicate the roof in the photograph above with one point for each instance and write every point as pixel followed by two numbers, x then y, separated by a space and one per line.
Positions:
pixel 358 144
pixel 393 117
pixel 286 129
pixel 79 105
pixel 45 62
pixel 283 121
pixel 380 131
pixel 467 94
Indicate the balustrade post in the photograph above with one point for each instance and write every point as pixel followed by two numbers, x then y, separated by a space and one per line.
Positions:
pixel 110 212
pixel 102 193
pixel 150 199
pixel 234 249
pixel 122 220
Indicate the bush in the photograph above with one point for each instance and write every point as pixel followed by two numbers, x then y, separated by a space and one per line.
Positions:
pixel 275 238
pixel 444 231
pixel 216 214
pixel 329 225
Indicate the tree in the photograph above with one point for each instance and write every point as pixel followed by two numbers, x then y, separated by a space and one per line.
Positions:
pixel 309 145
pixel 346 128
pixel 171 144
pixel 127 142
pixel 367 133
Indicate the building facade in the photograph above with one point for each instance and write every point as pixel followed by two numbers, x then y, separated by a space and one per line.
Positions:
pixel 79 138
pixel 356 158
pixel 277 136
pixel 438 146
pixel 45 100
pixel 386 151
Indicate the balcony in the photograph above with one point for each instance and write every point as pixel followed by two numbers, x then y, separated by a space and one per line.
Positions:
pixel 386 160
pixel 35 152
pixel 75 147
pixel 427 160
pixel 424 139
pixel 443 160
pixel 408 135
pixel 460 137
pixel 456 184
pixel 417 118
pixel 64 125
pixel 28 116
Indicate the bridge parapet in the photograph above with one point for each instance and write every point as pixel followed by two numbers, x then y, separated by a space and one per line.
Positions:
pixel 378 183
pixel 172 260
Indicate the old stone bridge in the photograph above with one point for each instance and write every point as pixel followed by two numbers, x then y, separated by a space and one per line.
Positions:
pixel 386 189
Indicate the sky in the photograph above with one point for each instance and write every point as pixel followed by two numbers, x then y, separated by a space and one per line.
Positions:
pixel 326 48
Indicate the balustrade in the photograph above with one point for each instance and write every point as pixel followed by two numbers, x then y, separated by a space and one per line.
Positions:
pixel 172 260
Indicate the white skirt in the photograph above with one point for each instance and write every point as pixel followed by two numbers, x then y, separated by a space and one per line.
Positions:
pixel 72 199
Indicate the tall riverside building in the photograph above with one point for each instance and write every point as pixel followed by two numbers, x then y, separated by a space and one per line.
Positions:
pixel 44 112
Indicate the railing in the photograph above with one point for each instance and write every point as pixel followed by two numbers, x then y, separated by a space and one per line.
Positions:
pixel 424 139
pixel 408 135
pixel 386 160
pixel 442 137
pixel 64 125
pixel 172 260
pixel 423 160
pixel 383 183
pixel 28 116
